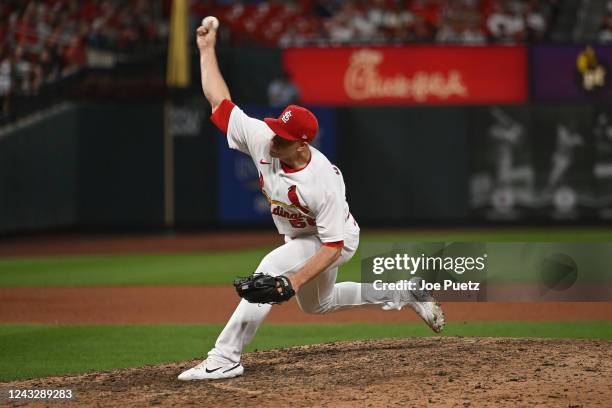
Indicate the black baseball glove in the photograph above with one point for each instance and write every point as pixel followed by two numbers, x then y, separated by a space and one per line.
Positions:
pixel 263 288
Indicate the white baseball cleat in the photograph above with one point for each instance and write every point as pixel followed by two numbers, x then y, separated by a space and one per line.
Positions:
pixel 423 303
pixel 206 371
pixel 431 312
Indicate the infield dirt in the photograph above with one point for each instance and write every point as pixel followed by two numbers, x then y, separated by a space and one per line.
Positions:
pixel 434 371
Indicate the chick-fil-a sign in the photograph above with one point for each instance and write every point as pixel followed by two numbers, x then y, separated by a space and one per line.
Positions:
pixel 409 75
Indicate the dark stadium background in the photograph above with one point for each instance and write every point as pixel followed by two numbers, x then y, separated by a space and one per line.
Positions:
pixel 100 132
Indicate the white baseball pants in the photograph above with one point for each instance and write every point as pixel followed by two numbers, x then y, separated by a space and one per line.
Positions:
pixel 320 295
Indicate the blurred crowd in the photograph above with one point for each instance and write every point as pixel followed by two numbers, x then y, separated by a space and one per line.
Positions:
pixel 42 41
pixel 336 22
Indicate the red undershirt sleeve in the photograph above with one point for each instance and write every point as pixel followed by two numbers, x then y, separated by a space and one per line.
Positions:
pixel 337 244
pixel 221 115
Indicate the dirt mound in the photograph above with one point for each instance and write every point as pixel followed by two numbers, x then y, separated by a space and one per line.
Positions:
pixel 442 371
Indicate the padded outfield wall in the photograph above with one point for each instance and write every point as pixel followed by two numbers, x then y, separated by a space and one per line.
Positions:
pixel 100 167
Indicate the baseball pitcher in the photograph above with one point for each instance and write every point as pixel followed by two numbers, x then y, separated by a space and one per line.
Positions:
pixel 308 205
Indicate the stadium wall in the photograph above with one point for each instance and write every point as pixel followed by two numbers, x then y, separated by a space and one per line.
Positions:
pixel 120 165
pixel 91 166
pixel 38 172
pixel 404 164
pixel 540 154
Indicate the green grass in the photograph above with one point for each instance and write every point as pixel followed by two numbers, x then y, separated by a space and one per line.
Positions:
pixel 221 268
pixel 497 235
pixel 154 269
pixel 32 350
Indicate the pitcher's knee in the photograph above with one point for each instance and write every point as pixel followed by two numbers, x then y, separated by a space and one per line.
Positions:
pixel 314 308
pixel 268 266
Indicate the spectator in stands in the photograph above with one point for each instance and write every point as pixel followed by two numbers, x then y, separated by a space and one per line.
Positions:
pixel 535 21
pixel 46 69
pixel 423 31
pixel 605 33
pixel 23 71
pixel 449 33
pixel 74 56
pixel 363 29
pixel 339 31
pixel 6 72
pixel 506 25
pixel 282 92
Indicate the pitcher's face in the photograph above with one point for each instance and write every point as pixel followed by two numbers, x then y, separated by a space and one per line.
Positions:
pixel 282 148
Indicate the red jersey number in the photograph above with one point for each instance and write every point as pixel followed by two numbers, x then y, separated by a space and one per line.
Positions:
pixel 302 224
pixel 297 223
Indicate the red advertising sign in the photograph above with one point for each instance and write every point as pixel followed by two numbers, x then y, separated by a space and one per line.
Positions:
pixel 409 75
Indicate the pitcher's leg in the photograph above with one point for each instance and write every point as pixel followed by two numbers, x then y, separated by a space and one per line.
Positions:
pixel 324 295
pixel 321 296
pixel 239 331
pixel 247 317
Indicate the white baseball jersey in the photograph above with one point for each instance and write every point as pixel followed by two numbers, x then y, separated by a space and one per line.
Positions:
pixel 309 201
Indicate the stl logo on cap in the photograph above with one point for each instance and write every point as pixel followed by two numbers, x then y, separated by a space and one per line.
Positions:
pixel 295 123
pixel 286 116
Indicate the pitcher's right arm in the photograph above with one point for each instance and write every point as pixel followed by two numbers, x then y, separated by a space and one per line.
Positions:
pixel 250 136
pixel 214 86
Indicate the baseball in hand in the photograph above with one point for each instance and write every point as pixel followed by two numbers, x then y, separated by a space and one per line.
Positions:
pixel 210 23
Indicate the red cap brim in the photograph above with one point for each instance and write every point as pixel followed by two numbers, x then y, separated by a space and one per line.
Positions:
pixel 277 128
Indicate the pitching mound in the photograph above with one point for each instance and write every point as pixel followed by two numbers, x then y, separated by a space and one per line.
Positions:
pixel 408 372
